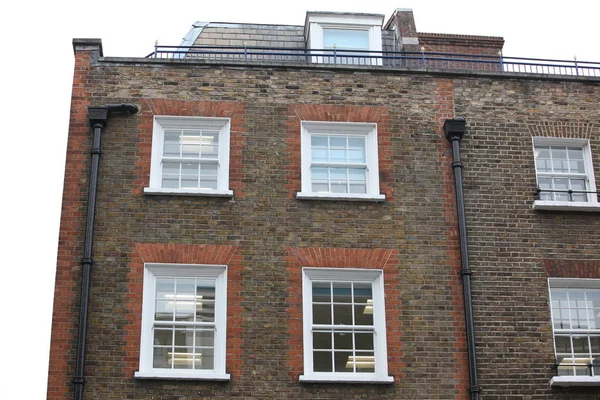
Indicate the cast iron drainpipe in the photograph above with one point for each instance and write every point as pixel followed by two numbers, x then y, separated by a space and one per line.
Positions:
pixel 454 130
pixel 98 117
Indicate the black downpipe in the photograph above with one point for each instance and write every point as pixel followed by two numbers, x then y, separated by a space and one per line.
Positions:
pixel 98 117
pixel 454 130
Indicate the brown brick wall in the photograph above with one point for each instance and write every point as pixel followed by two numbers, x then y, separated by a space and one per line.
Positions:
pixel 513 248
pixel 416 223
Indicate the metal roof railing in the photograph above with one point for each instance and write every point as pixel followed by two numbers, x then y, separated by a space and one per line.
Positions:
pixel 375 59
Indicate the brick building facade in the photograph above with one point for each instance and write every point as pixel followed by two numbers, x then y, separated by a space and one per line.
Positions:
pixel 280 188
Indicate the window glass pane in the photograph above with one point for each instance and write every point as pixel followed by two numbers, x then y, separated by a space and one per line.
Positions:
pixel 188 168
pixel 543 165
pixel 319 173
pixel 322 340
pixel 164 310
pixel 171 147
pixel 363 314
pixel 355 156
pixel 322 361
pixel 559 153
pixel 189 182
pixel 320 187
pixel 163 337
pixel 595 345
pixel 337 142
pixel 205 358
pixel 581 345
pixel 171 168
pixel 322 314
pixel 337 173
pixel 363 292
pixel 577 166
pixel 321 292
pixel 210 137
pixel 563 344
pixel 342 341
pixel 339 188
pixel 575 153
pixel 542 152
pixel 161 357
pixel 319 155
pixel 342 292
pixel 358 188
pixel 576 298
pixel 337 155
pixel 343 362
pixel 364 361
pixel 319 141
pixel 356 143
pixel 364 341
pixel 342 314
pixel 205 311
pixel 346 39
pixel 205 338
pixel 210 152
pixel 184 336
pixel 183 358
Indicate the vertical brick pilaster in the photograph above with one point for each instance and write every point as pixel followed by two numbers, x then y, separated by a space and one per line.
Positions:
pixel 66 292
pixel 445 110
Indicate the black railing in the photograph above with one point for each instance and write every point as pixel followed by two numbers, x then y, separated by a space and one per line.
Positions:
pixel 569 192
pixel 402 60
pixel 569 369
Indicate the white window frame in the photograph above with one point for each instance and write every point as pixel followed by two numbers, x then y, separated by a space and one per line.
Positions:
pixel 373 276
pixel 165 122
pixel 151 273
pixel 367 130
pixel 592 199
pixel 573 380
pixel 316 22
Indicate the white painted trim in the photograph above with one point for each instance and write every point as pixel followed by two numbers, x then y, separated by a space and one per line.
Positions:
pixel 566 205
pixel 338 377
pixel 151 272
pixel 189 192
pixel 315 23
pixel 368 130
pixel 182 376
pixel 375 277
pixel 162 122
pixel 566 381
pixel 592 204
pixel 340 196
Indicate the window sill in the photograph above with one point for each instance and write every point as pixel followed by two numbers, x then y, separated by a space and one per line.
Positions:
pixel 339 196
pixel 566 205
pixel 343 378
pixel 188 192
pixel 566 381
pixel 182 376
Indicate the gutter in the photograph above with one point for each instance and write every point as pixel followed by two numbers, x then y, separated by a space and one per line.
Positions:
pixel 454 130
pixel 98 117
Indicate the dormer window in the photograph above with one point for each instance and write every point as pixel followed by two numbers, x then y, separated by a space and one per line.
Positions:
pixel 336 38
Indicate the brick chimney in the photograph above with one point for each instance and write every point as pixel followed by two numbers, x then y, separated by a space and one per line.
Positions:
pixel 402 22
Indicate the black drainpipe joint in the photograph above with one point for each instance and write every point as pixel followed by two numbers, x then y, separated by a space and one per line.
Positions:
pixel 475 389
pixel 79 380
pixel 88 261
pixel 465 271
pixel 457 164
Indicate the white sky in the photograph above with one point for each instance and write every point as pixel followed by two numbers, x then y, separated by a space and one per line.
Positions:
pixel 37 71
